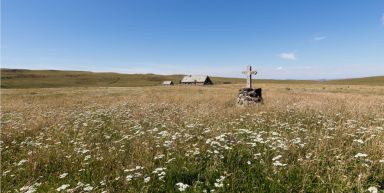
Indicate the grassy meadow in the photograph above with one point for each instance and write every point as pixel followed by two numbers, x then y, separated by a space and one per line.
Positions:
pixel 19 78
pixel 307 137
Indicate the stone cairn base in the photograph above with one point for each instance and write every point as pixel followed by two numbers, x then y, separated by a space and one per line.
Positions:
pixel 249 96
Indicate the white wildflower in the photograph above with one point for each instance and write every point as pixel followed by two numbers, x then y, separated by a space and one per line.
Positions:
pixel 161 175
pixel 147 179
pixel 218 185
pixel 373 189
pixel 87 157
pixel 80 184
pixel 256 155
pixel 360 155
pixel 134 169
pixel 159 156
pixel 158 170
pixel 219 182
pixel 30 189
pixel 276 158
pixel 359 141
pixel 88 188
pixel 170 160
pixel 129 178
pixel 21 162
pixel 278 163
pixel 163 133
pixel 167 143
pixel 182 187
pixel 6 172
pixel 62 187
pixel 63 175
pixel 83 151
pixel 275 133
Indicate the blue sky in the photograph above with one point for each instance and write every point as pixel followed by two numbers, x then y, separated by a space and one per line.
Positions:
pixel 283 39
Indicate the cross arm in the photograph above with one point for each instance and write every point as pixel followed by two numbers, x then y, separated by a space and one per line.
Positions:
pixel 249 72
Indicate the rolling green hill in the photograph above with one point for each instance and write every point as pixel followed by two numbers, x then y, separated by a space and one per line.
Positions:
pixel 373 80
pixel 20 78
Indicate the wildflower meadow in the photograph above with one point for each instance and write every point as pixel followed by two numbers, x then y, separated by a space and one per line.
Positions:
pixel 308 138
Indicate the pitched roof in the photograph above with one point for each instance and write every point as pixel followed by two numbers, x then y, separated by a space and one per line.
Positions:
pixel 194 78
pixel 167 82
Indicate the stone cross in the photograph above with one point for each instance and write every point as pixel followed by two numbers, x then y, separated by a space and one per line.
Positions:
pixel 248 71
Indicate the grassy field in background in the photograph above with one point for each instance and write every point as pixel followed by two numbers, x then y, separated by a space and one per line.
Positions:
pixel 55 78
pixel 304 138
pixel 374 80
pixel 16 78
pixel 13 78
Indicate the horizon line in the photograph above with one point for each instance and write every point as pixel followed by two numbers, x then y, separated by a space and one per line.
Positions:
pixel 91 71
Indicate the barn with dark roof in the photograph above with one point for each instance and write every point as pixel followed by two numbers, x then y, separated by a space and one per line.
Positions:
pixel 167 83
pixel 196 80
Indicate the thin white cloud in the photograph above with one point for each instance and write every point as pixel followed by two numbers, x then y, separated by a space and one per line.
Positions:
pixel 279 68
pixel 288 56
pixel 319 38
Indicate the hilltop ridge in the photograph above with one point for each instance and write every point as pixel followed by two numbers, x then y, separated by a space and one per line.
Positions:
pixel 24 78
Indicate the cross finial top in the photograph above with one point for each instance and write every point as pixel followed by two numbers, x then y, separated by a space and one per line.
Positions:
pixel 248 71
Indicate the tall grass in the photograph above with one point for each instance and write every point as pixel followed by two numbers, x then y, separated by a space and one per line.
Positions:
pixel 192 139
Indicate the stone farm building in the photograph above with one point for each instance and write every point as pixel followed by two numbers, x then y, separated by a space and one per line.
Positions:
pixel 196 80
pixel 167 83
